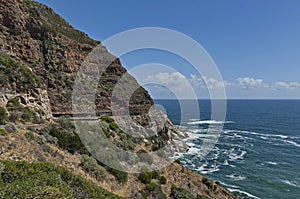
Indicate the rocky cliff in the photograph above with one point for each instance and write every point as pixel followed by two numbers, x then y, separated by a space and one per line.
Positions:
pixel 40 54
pixel 53 50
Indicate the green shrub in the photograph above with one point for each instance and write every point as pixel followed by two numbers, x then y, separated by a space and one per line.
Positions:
pixel 162 180
pixel 146 177
pixel 106 132
pixel 3 132
pixel 113 126
pixel 13 105
pixel 90 165
pixel 15 108
pixel 180 193
pixel 125 142
pixel 67 137
pixel 13 71
pixel 44 180
pixel 107 119
pixel 145 157
pixel 116 170
pixel 29 116
pixel 3 116
pixel 145 194
pixel 155 191
pixel 209 183
pixel 150 187
pixel 155 148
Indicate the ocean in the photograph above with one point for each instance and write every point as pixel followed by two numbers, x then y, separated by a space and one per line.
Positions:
pixel 258 152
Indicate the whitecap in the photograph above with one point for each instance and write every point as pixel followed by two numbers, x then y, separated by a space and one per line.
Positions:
pixel 235 156
pixel 260 134
pixel 209 122
pixel 236 177
pixel 292 183
pixel 226 163
pixel 204 170
pixel 243 192
pixel 229 185
pixel 292 143
pixel 193 150
pixel 272 163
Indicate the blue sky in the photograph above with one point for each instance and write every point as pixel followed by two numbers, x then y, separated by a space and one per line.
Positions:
pixel 255 44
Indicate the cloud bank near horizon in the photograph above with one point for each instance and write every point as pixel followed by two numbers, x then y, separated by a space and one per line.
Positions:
pixel 176 84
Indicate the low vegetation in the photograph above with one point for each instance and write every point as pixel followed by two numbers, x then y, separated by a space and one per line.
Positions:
pixel 154 190
pixel 68 139
pixel 180 193
pixel 3 116
pixel 14 72
pixel 20 113
pixel 44 180
pixel 209 183
pixel 91 166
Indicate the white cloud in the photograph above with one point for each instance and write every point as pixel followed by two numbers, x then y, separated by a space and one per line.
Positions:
pixel 206 82
pixel 286 86
pixel 175 82
pixel 251 83
pixel 167 79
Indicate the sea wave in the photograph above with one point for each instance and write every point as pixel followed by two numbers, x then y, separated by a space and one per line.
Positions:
pixel 243 192
pixel 264 135
pixel 204 170
pixel 272 163
pixel 211 122
pixel 292 143
pixel 233 155
pixel 292 183
pixel 236 177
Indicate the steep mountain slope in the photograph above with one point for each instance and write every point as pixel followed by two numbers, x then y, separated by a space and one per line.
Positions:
pixel 54 51
pixel 40 55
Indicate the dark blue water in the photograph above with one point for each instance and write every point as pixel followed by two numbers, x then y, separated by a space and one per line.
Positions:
pixel 258 153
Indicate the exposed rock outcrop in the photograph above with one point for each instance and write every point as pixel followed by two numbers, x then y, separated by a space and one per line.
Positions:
pixel 54 50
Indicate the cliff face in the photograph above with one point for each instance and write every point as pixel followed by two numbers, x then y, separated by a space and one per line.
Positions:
pixel 40 54
pixel 54 51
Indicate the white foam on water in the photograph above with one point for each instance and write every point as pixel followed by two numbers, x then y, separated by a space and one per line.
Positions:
pixel 272 163
pixel 236 177
pixel 261 134
pixel 229 185
pixel 209 122
pixel 199 130
pixel 191 144
pixel 226 163
pixel 292 183
pixel 204 170
pixel 292 143
pixel 193 151
pixel 193 119
pixel 243 192
pixel 235 156
pixel 263 137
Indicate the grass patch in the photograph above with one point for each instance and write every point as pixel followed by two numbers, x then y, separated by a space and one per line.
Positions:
pixel 44 180
pixel 13 71
pixel 90 165
pixel 67 137
pixel 3 116
pixel 180 193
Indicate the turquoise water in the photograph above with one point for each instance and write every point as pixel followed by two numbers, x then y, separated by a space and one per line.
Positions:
pixel 258 153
